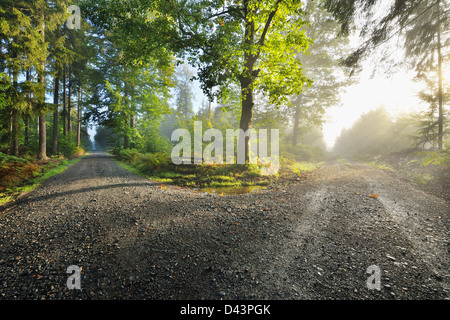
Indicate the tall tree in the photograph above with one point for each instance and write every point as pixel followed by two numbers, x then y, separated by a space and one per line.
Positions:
pixel 131 78
pixel 79 110
pixel 184 95
pixel 55 115
pixel 18 37
pixel 42 150
pixel 425 30
pixel 250 42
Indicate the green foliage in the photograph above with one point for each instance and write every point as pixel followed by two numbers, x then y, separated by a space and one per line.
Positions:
pixel 6 159
pixel 104 138
pixel 421 178
pixel 301 167
pixel 159 166
pixel 147 163
pixel 250 45
pixel 151 162
pixel 19 175
pixel 126 155
pixel 254 41
pixel 382 166
pixel 69 148
pixel 437 158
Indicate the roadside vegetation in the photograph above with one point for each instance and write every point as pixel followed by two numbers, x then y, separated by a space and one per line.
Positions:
pixel 159 167
pixel 22 175
pixel 398 146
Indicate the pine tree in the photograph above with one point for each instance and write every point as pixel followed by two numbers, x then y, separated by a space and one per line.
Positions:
pixel 184 95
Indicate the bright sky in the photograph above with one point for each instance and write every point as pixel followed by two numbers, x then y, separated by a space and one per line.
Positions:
pixel 397 94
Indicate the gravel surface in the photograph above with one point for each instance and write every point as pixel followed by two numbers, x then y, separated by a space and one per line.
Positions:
pixel 315 239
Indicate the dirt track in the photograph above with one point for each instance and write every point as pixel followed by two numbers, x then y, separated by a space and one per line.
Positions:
pixel 312 240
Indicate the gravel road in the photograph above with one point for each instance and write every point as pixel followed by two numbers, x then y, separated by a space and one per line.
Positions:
pixel 315 239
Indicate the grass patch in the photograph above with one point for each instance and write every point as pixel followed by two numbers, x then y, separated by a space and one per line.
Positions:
pixel 159 168
pixel 381 166
pixel 421 178
pixel 130 168
pixel 24 179
pixel 302 167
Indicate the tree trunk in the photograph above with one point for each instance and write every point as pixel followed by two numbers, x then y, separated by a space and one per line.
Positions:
pixel 296 122
pixel 42 154
pixel 26 122
pixel 26 118
pixel 209 109
pixel 440 94
pixel 126 141
pixel 64 114
pixel 133 108
pixel 295 133
pixel 15 132
pixel 55 116
pixel 69 107
pixel 246 116
pixel 15 122
pixel 79 118
pixel 246 80
pixel 42 151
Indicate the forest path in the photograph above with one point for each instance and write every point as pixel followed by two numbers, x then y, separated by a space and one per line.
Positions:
pixel 312 240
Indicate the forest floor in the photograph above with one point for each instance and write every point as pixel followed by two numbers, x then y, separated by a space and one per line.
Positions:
pixel 313 239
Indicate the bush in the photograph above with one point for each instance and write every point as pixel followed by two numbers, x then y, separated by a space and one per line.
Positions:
pixel 69 148
pixel 127 155
pixel 147 162
pixel 438 158
pixel 8 159
pixel 14 170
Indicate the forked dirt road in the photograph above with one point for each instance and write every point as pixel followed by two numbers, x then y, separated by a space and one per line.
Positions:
pixel 133 239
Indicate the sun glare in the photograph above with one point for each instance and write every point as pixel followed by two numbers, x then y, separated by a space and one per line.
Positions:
pixel 446 75
pixel 397 95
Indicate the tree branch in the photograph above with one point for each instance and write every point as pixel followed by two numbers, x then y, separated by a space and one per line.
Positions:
pixel 268 22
